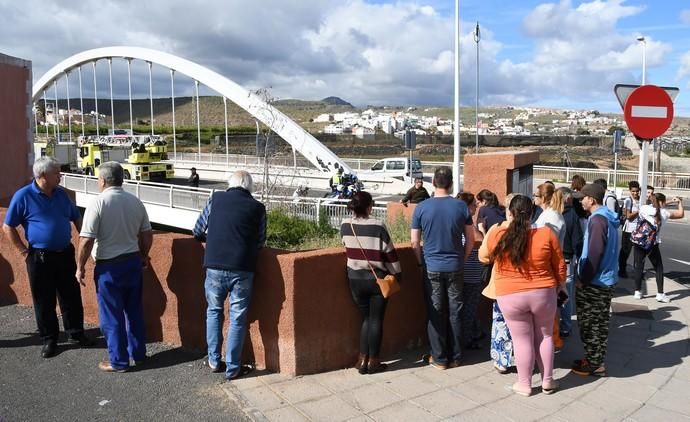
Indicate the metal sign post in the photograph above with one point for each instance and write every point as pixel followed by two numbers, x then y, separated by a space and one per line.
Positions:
pixel 617 137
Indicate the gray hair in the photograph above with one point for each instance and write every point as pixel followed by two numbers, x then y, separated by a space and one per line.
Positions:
pixel 112 173
pixel 45 164
pixel 240 179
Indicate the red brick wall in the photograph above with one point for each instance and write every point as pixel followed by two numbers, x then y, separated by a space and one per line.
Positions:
pixel 15 125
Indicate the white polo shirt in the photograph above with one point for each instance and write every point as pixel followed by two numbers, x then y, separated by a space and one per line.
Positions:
pixel 114 219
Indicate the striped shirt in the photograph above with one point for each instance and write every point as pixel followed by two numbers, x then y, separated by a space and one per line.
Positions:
pixel 376 246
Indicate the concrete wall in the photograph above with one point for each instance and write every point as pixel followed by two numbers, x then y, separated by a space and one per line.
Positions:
pixel 302 318
pixel 15 124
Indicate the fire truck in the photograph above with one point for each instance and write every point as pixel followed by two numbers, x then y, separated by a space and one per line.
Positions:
pixel 141 156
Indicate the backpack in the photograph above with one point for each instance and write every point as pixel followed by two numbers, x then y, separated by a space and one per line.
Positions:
pixel 644 235
pixel 617 209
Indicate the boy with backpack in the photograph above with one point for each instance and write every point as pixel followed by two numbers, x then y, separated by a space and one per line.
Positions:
pixel 631 208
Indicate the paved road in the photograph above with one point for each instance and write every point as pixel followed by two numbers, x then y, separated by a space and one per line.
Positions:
pixel 172 386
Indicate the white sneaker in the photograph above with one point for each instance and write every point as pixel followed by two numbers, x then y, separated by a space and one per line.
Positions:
pixel 661 297
pixel 638 294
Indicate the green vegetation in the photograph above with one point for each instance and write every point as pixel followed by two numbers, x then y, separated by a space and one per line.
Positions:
pixel 292 233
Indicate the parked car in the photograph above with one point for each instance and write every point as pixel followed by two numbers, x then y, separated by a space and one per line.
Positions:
pixel 398 167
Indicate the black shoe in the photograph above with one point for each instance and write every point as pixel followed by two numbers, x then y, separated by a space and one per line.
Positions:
pixel 49 349
pixel 81 340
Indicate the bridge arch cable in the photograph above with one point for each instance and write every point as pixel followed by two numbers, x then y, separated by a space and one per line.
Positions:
pixel 301 141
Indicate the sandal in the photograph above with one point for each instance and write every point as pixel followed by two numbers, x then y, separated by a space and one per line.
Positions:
pixel 500 369
pixel 242 371
pixel 518 390
pixel 551 389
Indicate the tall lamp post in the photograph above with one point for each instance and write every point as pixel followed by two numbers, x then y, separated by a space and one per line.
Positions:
pixel 476 96
pixel 644 149
pixel 456 102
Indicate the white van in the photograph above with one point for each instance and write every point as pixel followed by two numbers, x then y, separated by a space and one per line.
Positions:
pixel 398 167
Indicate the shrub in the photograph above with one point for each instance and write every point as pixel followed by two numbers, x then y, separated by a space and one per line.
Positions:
pixel 287 232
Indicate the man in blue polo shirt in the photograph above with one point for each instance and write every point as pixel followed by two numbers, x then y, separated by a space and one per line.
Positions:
pixel 441 221
pixel 45 211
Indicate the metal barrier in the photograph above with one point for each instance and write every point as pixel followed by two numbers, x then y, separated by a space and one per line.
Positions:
pixel 664 180
pixel 194 199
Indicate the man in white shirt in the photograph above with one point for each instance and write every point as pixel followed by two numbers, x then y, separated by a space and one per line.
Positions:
pixel 631 208
pixel 116 227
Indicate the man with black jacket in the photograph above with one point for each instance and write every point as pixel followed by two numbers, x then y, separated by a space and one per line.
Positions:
pixel 572 249
pixel 234 230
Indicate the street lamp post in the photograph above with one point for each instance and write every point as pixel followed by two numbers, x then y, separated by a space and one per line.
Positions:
pixel 644 149
pixel 476 96
pixel 456 102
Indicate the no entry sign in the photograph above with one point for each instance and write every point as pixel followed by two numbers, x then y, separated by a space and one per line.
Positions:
pixel 648 111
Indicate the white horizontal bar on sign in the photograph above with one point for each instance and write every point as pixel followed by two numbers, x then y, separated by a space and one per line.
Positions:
pixel 653 112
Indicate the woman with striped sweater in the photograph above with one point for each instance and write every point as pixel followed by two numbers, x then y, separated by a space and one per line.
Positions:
pixel 367 242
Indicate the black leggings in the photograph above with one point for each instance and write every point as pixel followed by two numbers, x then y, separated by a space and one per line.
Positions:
pixel 372 305
pixel 654 255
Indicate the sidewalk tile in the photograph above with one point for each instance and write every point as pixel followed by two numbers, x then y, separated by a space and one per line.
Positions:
pixel 629 388
pixel 517 408
pixel 639 376
pixel 247 383
pixel 370 397
pixel 263 398
pixel 439 378
pixel 575 386
pixel 549 403
pixel 578 411
pixel 285 414
pixel 401 412
pixel 273 378
pixel 655 362
pixel 653 413
pixel 409 385
pixel 683 372
pixel 675 401
pixel 478 414
pixel 300 389
pixel 615 405
pixel 362 418
pixel 484 391
pixel 342 380
pixel 331 408
pixel 668 326
pixel 444 404
pixel 468 372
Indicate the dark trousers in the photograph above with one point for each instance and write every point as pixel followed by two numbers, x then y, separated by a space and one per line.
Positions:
pixel 593 303
pixel 471 293
pixel 51 276
pixel 372 305
pixel 626 247
pixel 444 304
pixel 120 310
pixel 654 255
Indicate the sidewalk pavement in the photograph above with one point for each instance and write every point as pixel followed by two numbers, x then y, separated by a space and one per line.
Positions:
pixel 647 364
pixel 648 379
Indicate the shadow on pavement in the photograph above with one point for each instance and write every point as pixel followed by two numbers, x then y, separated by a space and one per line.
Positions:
pixel 169 358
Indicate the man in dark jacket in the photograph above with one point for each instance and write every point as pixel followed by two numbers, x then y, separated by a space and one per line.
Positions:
pixel 572 249
pixel 416 194
pixel 234 230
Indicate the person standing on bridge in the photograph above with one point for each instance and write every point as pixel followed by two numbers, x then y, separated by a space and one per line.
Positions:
pixel 45 211
pixel 233 225
pixel 117 230
pixel 193 179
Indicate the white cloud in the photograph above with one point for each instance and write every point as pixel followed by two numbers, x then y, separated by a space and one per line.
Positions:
pixel 684 70
pixel 399 53
pixel 685 16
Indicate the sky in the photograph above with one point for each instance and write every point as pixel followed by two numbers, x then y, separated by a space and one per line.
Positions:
pixel 559 54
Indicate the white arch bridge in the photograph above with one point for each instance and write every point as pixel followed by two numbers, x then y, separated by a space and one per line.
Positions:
pixel 301 141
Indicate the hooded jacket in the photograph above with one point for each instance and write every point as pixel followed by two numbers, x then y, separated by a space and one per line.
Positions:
pixel 599 262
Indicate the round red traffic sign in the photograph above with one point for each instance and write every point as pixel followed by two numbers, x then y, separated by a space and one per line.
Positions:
pixel 648 111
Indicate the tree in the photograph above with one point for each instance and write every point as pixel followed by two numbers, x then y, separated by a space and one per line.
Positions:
pixel 615 128
pixel 582 131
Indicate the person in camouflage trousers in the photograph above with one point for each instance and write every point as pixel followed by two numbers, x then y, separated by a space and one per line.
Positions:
pixel 597 275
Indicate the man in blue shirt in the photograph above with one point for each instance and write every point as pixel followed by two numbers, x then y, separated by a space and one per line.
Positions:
pixel 233 225
pixel 441 221
pixel 45 211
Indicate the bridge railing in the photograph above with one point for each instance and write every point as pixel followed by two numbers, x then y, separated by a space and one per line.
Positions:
pixel 195 199
pixel 664 180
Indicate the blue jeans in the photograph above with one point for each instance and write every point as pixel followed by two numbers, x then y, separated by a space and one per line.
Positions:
pixel 120 310
pixel 567 309
pixel 444 292
pixel 220 283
